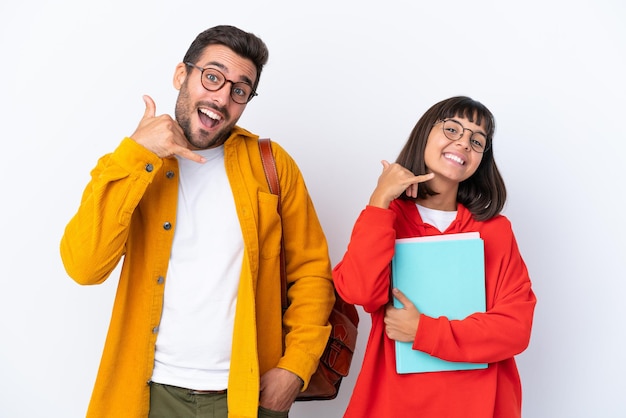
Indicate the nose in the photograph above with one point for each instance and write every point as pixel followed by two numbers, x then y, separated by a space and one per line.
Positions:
pixel 464 140
pixel 223 94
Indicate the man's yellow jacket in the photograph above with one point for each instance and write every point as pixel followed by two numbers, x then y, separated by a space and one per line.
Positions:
pixel 128 211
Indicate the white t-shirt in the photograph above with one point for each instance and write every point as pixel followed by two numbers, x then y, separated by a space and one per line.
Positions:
pixel 440 219
pixel 194 343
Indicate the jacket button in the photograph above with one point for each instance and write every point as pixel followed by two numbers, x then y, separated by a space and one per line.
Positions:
pixel 167 226
pixel 149 168
pixel 155 329
pixel 169 174
pixel 160 280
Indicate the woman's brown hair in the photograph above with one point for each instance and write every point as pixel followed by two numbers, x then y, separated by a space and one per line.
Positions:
pixel 484 193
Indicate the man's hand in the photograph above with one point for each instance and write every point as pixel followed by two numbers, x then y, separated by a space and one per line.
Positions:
pixel 279 388
pixel 401 323
pixel 162 135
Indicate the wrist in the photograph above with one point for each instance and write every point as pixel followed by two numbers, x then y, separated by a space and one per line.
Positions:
pixel 379 201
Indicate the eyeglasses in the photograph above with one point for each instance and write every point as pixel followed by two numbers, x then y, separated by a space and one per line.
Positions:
pixel 213 80
pixel 454 131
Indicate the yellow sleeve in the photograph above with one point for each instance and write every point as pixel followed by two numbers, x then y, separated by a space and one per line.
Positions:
pixel 94 239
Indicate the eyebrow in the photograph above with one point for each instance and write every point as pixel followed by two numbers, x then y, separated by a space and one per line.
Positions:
pixel 478 131
pixel 222 67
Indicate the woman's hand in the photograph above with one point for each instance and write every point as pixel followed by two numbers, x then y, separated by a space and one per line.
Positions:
pixel 401 323
pixel 393 181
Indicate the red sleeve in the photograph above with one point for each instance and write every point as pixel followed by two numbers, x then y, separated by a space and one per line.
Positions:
pixel 362 276
pixel 504 329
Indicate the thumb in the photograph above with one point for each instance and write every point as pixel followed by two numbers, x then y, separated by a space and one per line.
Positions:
pixel 402 298
pixel 385 164
pixel 150 107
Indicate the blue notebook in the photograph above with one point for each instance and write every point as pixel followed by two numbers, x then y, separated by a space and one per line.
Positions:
pixel 442 275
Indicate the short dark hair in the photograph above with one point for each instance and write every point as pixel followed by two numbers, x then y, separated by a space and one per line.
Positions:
pixel 244 44
pixel 484 193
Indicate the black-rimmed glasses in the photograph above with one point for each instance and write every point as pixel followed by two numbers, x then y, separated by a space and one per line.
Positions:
pixel 213 80
pixel 453 130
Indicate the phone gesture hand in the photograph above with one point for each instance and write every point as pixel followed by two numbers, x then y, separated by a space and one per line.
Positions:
pixel 162 135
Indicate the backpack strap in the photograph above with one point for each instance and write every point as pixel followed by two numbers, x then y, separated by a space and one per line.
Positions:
pixel 271 174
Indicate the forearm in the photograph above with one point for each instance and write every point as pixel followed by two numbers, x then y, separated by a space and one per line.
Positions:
pixel 94 239
pixel 500 333
pixel 310 289
pixel 362 276
pixel 311 299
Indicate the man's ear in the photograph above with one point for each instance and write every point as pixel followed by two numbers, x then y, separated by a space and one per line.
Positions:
pixel 180 75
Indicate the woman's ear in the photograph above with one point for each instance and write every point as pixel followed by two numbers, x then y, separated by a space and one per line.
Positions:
pixel 180 75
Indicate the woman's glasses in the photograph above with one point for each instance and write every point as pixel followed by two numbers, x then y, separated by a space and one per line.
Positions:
pixel 454 131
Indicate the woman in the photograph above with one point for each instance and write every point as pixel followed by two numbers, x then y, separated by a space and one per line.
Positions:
pixel 458 189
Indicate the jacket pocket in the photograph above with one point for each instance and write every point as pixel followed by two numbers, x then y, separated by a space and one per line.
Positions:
pixel 270 227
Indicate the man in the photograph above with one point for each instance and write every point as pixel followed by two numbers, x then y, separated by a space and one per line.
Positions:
pixel 197 320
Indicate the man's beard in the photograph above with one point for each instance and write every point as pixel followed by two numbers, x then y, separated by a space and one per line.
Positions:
pixel 202 138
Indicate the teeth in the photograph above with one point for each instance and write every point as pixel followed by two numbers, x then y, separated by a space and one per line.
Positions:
pixel 454 158
pixel 210 114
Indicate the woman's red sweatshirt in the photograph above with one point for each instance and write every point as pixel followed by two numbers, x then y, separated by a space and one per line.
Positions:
pixel 495 336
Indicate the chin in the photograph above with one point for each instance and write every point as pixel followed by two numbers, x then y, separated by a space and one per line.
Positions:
pixel 206 140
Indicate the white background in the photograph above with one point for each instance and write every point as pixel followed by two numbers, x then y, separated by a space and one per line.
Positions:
pixel 345 84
